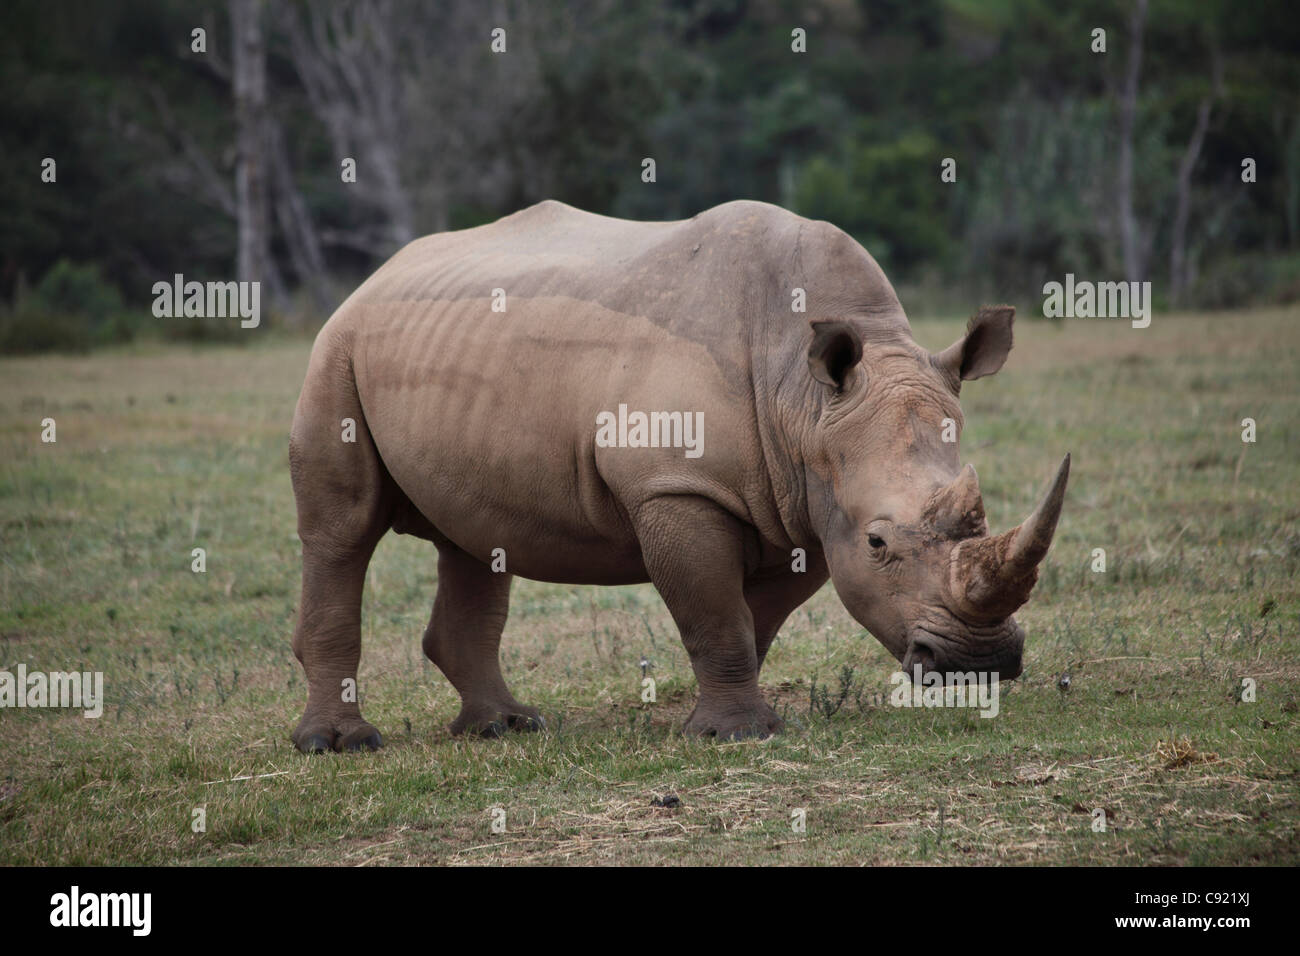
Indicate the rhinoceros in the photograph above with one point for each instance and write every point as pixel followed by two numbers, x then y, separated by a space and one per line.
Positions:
pixel 478 369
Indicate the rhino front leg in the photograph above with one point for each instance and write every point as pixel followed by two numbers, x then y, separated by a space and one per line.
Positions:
pixel 694 552
pixel 464 638
pixel 773 594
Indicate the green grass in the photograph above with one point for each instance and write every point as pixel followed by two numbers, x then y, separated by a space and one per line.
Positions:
pixel 161 450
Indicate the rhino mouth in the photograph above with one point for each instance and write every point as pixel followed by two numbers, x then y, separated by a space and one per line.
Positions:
pixel 984 650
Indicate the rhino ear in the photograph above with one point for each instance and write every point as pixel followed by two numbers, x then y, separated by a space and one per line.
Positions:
pixel 984 347
pixel 836 348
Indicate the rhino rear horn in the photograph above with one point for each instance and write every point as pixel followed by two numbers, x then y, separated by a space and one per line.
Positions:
pixel 958 509
pixel 991 577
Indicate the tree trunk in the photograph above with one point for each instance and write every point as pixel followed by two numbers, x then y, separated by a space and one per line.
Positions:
pixel 1178 274
pixel 295 222
pixel 1130 239
pixel 248 65
pixel 1287 130
pixel 347 59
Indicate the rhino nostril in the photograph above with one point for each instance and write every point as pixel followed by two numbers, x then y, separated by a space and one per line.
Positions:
pixel 922 655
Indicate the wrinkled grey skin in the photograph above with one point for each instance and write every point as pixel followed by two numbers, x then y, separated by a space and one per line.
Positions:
pixel 476 430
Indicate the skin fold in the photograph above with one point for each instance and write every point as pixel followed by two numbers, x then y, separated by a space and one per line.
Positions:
pixel 476 429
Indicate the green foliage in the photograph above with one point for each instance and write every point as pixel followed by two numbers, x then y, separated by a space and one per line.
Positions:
pixel 852 131
pixel 1032 202
pixel 1232 281
pixel 885 195
pixel 78 289
pixel 71 309
pixel 32 329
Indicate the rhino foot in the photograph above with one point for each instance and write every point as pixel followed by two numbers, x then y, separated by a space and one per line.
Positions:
pixel 321 736
pixel 757 721
pixel 492 720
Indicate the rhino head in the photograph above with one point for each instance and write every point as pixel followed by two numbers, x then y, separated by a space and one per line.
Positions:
pixel 901 522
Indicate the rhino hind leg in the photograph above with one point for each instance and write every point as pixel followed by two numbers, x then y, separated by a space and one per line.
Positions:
pixel 328 642
pixel 345 501
pixel 703 586
pixel 463 639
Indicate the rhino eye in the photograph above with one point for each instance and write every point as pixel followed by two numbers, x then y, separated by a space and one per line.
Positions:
pixel 875 540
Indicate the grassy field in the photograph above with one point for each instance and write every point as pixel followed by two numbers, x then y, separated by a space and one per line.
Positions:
pixel 161 450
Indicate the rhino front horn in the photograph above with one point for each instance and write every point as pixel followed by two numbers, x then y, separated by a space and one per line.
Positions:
pixel 992 577
pixel 1034 536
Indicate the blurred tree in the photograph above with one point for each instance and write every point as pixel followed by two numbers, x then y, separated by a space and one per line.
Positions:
pixel 1067 159
pixel 253 260
pixel 888 195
